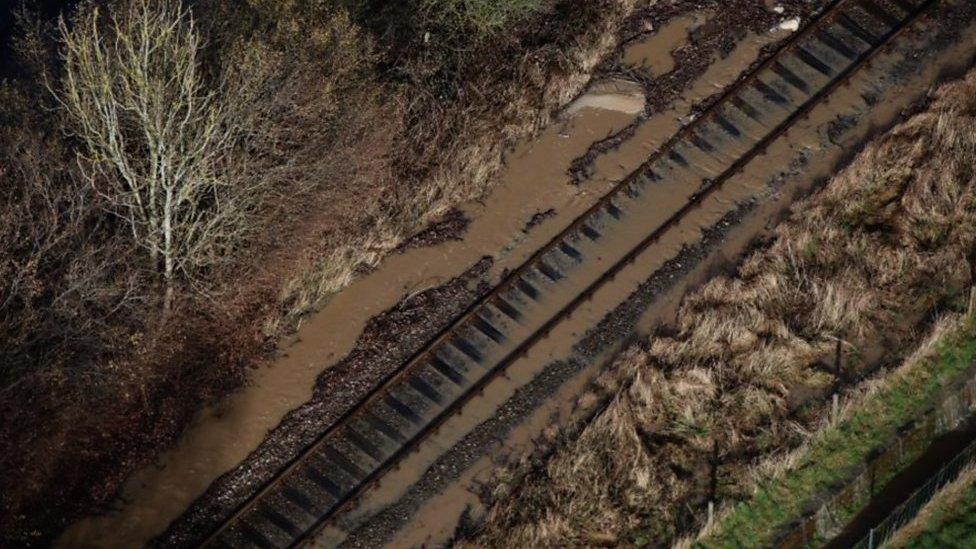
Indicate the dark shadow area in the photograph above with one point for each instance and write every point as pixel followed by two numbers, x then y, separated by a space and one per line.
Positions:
pixel 46 10
pixel 905 483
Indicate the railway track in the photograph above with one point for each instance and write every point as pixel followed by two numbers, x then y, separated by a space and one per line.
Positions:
pixel 349 456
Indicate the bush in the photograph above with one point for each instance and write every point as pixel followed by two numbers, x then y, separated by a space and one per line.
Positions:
pixel 482 17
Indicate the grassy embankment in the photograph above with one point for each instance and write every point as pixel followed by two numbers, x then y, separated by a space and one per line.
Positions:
pixel 948 520
pixel 748 372
pixel 868 423
pixel 359 123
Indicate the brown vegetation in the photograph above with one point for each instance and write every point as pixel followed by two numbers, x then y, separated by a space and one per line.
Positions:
pixel 887 242
pixel 353 127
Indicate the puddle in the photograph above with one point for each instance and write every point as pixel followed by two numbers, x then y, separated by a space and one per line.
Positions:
pixel 653 132
pixel 654 54
pixel 614 95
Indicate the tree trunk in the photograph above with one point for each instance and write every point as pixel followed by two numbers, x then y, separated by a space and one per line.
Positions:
pixel 168 260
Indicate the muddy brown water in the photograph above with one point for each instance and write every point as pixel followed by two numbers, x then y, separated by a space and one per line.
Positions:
pixel 655 54
pixel 651 133
pixel 792 165
pixel 535 180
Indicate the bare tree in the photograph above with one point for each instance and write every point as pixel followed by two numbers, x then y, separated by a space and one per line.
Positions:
pixel 158 138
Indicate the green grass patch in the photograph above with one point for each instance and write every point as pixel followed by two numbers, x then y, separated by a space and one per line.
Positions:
pixel 949 525
pixel 837 454
pixel 483 17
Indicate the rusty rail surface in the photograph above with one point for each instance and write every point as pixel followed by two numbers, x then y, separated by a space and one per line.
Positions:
pixel 356 450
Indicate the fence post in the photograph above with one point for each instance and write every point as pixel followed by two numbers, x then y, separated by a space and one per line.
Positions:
pixel 713 481
pixel 837 362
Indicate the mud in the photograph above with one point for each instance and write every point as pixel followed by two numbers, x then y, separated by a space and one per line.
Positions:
pixel 654 55
pixel 653 131
pixel 705 45
pixel 615 95
pixel 423 501
pixel 450 226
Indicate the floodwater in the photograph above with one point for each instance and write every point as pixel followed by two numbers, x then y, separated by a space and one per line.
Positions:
pixel 535 180
pixel 655 54
pixel 792 165
pixel 654 131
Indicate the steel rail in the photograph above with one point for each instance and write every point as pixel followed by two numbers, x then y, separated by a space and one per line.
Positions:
pixel 838 12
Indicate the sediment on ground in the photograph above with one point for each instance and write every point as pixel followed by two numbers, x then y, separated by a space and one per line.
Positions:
pixel 746 369
pixel 339 386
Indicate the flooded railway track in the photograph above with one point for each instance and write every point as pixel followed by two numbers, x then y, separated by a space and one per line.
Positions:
pixel 694 164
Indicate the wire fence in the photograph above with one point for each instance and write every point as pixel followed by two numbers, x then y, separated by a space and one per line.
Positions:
pixel 833 515
pixel 908 510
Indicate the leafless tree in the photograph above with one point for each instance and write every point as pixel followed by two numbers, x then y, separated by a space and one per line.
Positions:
pixel 158 137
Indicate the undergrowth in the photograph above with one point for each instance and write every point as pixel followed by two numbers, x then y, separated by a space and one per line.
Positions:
pixel 371 119
pixel 483 17
pixel 830 457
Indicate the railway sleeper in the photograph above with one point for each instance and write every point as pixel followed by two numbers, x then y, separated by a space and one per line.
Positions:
pixel 342 462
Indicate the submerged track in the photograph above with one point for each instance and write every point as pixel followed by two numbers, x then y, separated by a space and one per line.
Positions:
pixel 360 447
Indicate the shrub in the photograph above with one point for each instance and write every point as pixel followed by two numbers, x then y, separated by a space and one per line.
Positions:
pixel 482 17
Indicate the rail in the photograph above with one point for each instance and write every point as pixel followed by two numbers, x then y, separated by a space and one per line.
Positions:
pixel 355 451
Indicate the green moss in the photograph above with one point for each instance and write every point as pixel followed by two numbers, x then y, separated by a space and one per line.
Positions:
pixel 837 454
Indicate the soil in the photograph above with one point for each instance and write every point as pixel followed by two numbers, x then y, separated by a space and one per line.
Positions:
pixel 538 218
pixel 450 226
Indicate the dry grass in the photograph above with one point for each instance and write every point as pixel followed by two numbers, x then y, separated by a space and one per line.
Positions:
pixel 365 130
pixel 885 243
pixel 784 486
